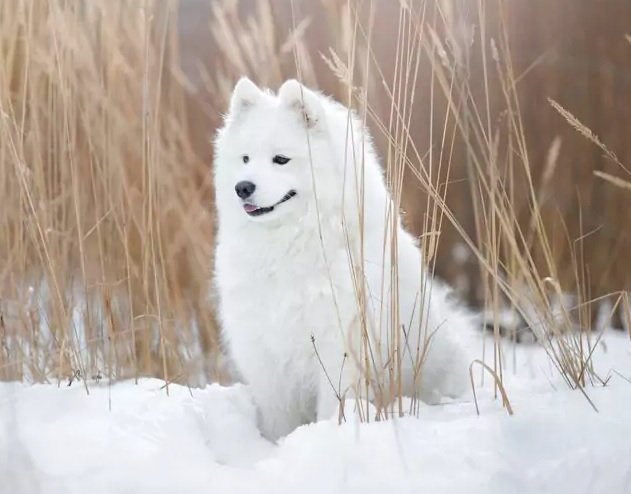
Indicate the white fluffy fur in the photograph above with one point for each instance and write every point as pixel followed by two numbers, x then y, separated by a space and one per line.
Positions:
pixel 284 280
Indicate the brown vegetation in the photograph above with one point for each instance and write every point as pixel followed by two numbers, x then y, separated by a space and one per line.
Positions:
pixel 108 110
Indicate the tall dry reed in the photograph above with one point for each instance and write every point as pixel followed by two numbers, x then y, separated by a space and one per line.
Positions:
pixel 107 112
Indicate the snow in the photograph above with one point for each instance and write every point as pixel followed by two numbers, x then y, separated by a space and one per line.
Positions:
pixel 134 438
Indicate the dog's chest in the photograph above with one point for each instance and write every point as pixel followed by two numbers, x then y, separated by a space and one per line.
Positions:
pixel 278 302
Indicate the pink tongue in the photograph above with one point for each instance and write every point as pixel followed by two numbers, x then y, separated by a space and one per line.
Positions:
pixel 249 208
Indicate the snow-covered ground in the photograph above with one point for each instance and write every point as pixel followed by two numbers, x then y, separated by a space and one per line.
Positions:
pixel 130 438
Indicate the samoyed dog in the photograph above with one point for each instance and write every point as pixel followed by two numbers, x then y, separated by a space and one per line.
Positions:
pixel 321 291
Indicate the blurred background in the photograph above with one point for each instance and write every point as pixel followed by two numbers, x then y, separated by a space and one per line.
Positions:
pixel 108 109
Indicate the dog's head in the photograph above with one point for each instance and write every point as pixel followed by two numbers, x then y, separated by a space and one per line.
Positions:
pixel 266 152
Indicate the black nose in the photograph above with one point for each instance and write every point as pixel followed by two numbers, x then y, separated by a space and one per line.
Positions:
pixel 244 189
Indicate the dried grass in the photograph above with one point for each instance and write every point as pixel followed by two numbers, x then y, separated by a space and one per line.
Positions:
pixel 106 205
pixel 101 196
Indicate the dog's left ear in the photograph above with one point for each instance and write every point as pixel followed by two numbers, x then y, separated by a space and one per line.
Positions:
pixel 303 101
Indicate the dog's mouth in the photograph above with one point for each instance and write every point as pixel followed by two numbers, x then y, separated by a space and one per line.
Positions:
pixel 254 210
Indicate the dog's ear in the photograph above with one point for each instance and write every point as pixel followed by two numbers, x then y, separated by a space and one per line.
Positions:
pixel 245 95
pixel 303 101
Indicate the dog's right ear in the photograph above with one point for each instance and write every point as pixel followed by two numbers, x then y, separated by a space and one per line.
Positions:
pixel 245 95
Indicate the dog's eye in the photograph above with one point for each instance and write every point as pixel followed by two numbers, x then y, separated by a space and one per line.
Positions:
pixel 280 159
pixel 245 158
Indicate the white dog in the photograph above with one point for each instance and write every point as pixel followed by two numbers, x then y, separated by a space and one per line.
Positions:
pixel 311 260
